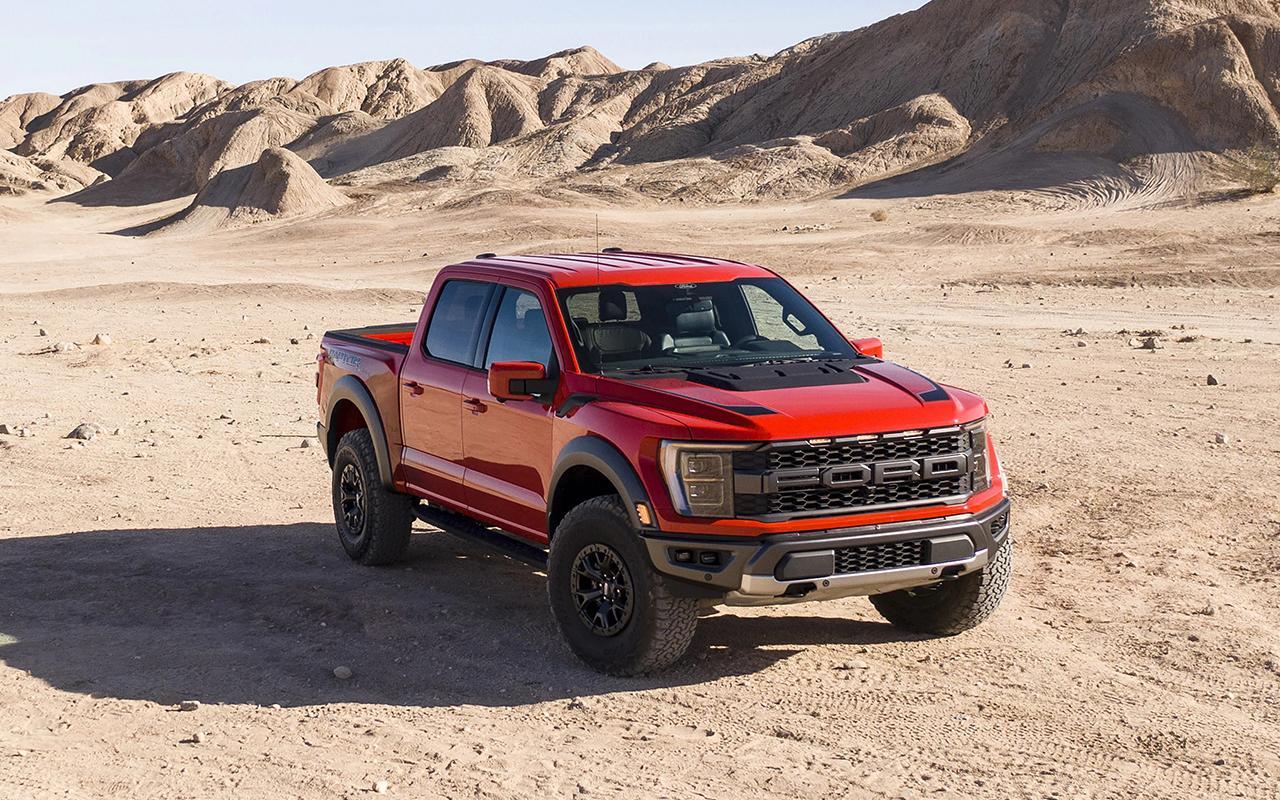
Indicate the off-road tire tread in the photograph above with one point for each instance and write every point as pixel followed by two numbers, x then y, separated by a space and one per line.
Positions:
pixel 967 602
pixel 389 515
pixel 675 618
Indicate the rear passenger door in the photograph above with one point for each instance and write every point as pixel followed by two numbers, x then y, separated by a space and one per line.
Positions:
pixel 508 444
pixel 431 383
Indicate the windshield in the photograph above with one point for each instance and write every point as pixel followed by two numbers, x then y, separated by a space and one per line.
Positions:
pixel 620 328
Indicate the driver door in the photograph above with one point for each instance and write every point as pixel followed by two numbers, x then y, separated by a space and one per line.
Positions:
pixel 508 444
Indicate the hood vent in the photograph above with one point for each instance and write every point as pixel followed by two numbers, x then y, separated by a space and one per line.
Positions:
pixel 761 377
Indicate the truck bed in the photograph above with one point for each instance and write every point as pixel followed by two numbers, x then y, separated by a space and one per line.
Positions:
pixel 396 337
pixel 372 355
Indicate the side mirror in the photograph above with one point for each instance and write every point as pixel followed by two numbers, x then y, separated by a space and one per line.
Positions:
pixel 869 347
pixel 519 380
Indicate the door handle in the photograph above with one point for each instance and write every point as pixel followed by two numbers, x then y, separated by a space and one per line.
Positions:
pixel 476 405
pixel 414 388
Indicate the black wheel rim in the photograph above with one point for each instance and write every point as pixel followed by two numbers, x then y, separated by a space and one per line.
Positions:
pixel 352 501
pixel 602 589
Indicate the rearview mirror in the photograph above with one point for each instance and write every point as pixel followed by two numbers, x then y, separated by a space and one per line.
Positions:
pixel 868 347
pixel 519 380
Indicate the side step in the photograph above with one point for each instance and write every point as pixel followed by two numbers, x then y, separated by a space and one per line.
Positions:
pixel 469 529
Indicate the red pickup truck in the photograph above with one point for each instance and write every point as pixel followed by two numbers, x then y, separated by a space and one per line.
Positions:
pixel 665 433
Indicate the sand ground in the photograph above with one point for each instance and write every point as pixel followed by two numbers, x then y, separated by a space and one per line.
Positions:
pixel 191 554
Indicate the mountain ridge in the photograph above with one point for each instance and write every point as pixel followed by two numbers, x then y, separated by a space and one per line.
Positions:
pixel 946 96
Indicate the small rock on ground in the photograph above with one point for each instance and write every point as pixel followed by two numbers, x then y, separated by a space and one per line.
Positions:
pixel 189 705
pixel 381 787
pixel 102 339
pixel 1222 438
pixel 1212 381
pixel 343 673
pixel 85 431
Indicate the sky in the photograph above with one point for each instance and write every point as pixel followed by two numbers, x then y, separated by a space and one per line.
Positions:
pixel 60 45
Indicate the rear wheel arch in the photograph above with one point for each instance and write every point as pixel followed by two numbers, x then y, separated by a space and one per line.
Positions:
pixel 351 407
pixel 590 467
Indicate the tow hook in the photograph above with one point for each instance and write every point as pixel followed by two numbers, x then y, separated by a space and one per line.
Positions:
pixel 800 589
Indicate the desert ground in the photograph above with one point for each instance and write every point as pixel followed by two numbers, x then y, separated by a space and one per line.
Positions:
pixel 1060 204
pixel 187 552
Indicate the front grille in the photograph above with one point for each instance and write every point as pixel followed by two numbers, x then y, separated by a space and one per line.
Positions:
pixel 804 501
pixel 872 557
pixel 830 477
pixel 854 452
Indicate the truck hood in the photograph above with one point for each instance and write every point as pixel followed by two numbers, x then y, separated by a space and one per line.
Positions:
pixel 877 397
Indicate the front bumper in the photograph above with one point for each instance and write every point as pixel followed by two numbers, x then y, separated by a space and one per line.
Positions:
pixel 794 567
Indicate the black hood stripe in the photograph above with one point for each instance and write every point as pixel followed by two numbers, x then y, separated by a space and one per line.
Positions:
pixel 926 389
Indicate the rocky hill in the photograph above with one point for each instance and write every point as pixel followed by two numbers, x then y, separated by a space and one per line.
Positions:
pixel 1103 99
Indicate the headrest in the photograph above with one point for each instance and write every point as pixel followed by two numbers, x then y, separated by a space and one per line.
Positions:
pixel 534 319
pixel 613 305
pixel 614 340
pixel 692 316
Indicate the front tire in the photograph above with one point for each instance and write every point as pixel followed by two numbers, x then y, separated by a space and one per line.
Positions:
pixel 947 609
pixel 615 611
pixel 374 523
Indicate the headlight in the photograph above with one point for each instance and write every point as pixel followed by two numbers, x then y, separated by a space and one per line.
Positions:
pixel 700 477
pixel 981 477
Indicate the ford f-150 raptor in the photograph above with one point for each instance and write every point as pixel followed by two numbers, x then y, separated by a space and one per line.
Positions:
pixel 665 433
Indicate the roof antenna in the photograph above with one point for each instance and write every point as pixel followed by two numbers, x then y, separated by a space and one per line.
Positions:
pixel 598 281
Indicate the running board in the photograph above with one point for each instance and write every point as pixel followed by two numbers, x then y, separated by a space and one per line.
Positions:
pixel 469 529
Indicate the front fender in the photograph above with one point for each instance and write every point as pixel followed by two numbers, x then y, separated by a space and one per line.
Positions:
pixel 603 457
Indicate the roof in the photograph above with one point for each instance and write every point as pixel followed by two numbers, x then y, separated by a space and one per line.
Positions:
pixel 566 270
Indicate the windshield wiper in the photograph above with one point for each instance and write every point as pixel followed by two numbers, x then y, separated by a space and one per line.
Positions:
pixel 647 369
pixel 746 361
pixel 828 356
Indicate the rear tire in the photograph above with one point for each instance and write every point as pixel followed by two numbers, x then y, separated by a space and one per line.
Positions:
pixel 946 609
pixel 374 523
pixel 615 611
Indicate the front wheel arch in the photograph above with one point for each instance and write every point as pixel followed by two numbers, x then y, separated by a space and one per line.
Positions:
pixel 590 467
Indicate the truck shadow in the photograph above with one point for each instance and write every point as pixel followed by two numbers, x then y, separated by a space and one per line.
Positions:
pixel 262 614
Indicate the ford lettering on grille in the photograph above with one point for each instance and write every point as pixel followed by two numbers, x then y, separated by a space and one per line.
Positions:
pixel 847 476
pixel 831 477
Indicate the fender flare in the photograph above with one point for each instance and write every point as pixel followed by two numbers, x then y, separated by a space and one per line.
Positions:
pixel 353 390
pixel 603 457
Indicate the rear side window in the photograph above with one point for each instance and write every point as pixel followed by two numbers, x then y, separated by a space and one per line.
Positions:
pixel 584 307
pixel 455 321
pixel 520 331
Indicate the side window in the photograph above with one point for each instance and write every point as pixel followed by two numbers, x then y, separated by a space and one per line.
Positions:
pixel 455 321
pixel 519 331
pixel 775 322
